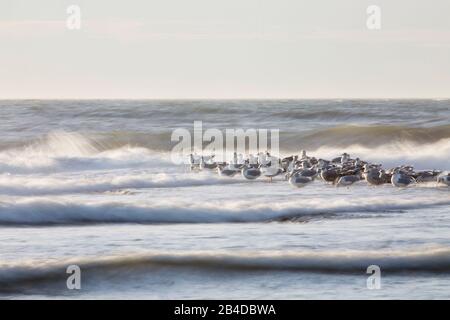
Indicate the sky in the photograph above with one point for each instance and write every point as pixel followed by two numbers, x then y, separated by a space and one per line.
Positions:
pixel 224 49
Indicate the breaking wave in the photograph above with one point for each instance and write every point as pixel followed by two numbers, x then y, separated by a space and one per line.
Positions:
pixel 62 151
pixel 431 259
pixel 61 143
pixel 424 148
pixel 55 185
pixel 45 212
pixel 57 151
pixel 369 136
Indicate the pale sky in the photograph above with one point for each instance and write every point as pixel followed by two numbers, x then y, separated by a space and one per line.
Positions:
pixel 175 49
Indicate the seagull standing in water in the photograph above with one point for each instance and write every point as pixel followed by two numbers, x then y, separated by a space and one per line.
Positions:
pixel 250 172
pixel 348 180
pixel 329 173
pixel 227 170
pixel 299 181
pixel 401 178
pixel 444 178
pixel 302 176
pixel 273 170
pixel 375 175
pixel 194 162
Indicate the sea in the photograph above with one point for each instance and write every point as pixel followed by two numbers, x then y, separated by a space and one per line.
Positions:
pixel 93 207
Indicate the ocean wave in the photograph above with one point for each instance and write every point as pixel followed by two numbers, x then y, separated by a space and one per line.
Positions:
pixel 76 144
pixel 422 157
pixel 368 136
pixel 20 185
pixel 327 115
pixel 74 153
pixel 46 212
pixel 59 151
pixel 432 259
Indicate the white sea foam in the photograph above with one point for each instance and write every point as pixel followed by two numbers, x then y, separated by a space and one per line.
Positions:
pixel 113 181
pixel 421 156
pixel 62 151
pixel 434 156
pixel 28 162
pixel 42 211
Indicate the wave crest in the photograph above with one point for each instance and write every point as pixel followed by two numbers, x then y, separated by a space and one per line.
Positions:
pixel 435 259
pixel 38 211
pixel 369 136
pixel 429 147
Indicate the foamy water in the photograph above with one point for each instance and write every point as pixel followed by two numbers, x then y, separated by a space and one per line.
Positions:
pixel 91 183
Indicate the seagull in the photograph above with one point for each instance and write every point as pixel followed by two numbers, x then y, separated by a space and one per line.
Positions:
pixel 206 165
pixel 306 171
pixel 299 181
pixel 444 178
pixel 272 170
pixel 375 176
pixel 348 180
pixel 251 173
pixel 427 176
pixel 226 171
pixel 401 179
pixel 329 174
pixel 194 162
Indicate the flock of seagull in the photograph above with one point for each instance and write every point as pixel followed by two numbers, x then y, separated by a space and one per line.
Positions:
pixel 303 170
